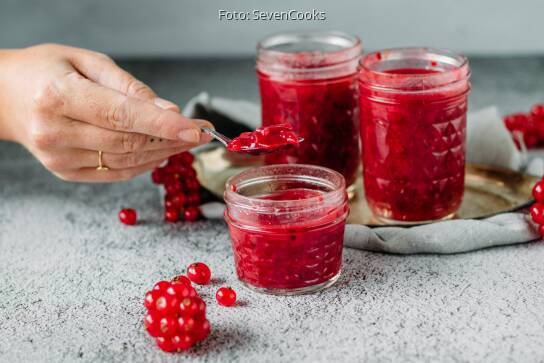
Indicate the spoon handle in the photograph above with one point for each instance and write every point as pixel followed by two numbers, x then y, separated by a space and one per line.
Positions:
pixel 216 135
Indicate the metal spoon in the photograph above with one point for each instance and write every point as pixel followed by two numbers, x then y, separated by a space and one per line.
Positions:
pixel 216 135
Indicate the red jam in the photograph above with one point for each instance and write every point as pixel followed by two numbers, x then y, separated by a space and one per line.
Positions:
pixel 324 113
pixel 312 85
pixel 264 140
pixel 288 239
pixel 413 126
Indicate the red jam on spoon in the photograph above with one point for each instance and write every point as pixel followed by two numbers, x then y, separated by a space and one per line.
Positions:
pixel 264 140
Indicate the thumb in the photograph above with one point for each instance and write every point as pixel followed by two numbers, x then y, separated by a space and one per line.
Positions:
pixel 103 70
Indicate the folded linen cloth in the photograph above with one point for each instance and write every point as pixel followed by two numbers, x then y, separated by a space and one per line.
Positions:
pixel 488 142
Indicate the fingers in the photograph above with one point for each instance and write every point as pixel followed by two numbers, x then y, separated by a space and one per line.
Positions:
pixel 74 159
pixel 106 176
pixel 110 109
pixel 103 70
pixel 87 158
pixel 81 135
pixel 204 137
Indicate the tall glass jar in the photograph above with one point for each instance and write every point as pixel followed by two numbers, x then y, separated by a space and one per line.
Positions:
pixel 413 119
pixel 286 225
pixel 309 80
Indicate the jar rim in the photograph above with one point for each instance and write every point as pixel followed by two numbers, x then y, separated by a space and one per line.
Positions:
pixel 337 53
pixel 338 38
pixel 336 193
pixel 454 68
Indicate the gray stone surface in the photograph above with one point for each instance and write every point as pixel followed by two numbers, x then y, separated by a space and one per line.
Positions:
pixel 72 277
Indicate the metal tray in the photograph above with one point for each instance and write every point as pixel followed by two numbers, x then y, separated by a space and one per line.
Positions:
pixel 488 190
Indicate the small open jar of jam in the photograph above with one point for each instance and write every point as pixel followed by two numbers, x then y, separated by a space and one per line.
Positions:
pixel 309 80
pixel 286 225
pixel 413 123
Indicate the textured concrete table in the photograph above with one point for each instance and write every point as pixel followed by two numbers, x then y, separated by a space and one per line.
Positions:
pixel 72 277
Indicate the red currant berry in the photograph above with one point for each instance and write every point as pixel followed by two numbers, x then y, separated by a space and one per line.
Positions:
pixel 161 286
pixel 190 292
pixel 530 138
pixel 173 187
pixel 174 161
pixel 190 176
pixel 226 296
pixel 128 216
pixel 171 215
pixel 182 279
pixel 150 299
pixel 167 304
pixel 191 214
pixel 175 200
pixel 516 121
pixel 202 330
pixel 165 344
pixel 193 199
pixel 538 191
pixel 537 213
pixel 187 158
pixel 168 326
pixel 151 323
pixel 182 291
pixel 199 273
pixel 192 185
pixel 157 176
pixel 541 230
pixel 173 289
pixel 168 169
pixel 201 309
pixel 189 306
pixel 538 110
pixel 183 341
pixel 186 323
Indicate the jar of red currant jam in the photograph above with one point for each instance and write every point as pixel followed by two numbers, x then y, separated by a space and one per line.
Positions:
pixel 413 119
pixel 309 80
pixel 286 225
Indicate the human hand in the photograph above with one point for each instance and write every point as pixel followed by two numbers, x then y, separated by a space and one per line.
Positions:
pixel 65 104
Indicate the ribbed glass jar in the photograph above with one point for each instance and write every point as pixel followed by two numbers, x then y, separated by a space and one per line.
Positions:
pixel 286 224
pixel 309 80
pixel 413 127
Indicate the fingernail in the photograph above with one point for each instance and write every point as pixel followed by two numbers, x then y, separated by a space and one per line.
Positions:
pixel 191 136
pixel 165 104
pixel 203 123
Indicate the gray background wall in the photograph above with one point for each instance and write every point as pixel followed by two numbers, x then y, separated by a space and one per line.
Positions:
pixel 134 28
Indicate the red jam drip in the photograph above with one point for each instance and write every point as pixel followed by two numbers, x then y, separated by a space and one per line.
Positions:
pixel 264 140
pixel 306 252
pixel 413 150
pixel 324 112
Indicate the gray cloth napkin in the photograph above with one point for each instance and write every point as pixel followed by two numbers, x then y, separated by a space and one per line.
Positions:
pixel 488 142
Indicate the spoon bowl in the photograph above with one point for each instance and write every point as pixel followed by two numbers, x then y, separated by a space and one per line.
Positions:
pixel 251 151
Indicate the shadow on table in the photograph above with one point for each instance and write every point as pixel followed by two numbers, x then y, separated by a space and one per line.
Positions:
pixel 221 340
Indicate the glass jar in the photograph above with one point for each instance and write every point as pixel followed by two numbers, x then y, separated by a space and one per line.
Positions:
pixel 309 80
pixel 286 225
pixel 413 125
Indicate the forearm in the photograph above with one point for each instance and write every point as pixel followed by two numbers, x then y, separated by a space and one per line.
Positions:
pixel 6 132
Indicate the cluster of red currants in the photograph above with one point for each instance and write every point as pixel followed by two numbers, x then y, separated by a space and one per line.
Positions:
pixel 529 126
pixel 176 314
pixel 182 198
pixel 537 209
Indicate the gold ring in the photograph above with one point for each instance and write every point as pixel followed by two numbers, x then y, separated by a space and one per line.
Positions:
pixel 100 165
